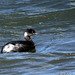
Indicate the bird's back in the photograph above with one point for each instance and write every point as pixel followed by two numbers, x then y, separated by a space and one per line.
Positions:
pixel 18 46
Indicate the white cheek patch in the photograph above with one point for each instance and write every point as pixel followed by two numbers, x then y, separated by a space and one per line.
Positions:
pixel 25 34
pixel 8 48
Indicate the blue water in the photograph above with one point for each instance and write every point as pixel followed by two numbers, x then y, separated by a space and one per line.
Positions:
pixel 55 45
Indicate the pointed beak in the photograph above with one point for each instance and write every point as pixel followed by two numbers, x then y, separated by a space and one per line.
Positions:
pixel 36 33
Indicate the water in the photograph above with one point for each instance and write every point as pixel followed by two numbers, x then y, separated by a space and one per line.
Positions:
pixel 55 45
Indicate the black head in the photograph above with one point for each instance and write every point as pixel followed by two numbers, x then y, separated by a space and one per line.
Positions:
pixel 30 31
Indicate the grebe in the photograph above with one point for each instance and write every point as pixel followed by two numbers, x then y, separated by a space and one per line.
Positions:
pixel 20 46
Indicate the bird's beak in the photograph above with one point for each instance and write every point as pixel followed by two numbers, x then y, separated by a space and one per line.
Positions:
pixel 36 33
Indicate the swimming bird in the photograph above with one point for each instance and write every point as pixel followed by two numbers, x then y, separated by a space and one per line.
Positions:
pixel 20 46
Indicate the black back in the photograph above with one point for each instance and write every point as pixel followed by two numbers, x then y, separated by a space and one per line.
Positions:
pixel 26 46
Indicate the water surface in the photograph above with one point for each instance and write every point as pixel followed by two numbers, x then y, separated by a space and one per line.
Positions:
pixel 55 45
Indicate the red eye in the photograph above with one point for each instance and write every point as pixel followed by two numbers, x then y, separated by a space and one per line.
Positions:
pixel 32 32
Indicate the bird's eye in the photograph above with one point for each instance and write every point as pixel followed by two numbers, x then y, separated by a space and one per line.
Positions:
pixel 32 32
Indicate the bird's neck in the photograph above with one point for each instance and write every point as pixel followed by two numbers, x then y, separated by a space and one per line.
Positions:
pixel 28 38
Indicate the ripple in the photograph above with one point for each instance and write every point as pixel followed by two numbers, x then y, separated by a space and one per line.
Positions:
pixel 55 50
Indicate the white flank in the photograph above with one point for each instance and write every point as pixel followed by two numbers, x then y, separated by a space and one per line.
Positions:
pixel 8 48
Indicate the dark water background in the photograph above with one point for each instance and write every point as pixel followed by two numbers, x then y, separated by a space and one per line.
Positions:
pixel 55 46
